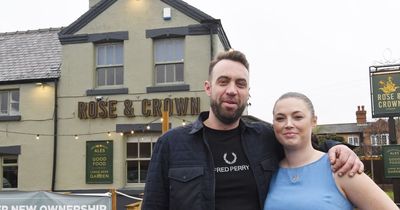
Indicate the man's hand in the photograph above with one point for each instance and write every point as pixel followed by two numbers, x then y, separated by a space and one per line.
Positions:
pixel 344 160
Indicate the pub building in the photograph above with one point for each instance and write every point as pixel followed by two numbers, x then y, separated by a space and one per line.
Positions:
pixel 82 105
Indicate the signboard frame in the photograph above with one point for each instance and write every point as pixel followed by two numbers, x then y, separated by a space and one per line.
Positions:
pixel 385 90
pixel 99 162
pixel 391 160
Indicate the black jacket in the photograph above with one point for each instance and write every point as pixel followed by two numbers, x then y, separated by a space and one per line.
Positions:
pixel 181 171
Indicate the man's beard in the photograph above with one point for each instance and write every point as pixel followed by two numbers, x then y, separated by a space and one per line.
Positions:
pixel 226 118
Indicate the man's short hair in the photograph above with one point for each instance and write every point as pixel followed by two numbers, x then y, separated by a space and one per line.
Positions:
pixel 233 55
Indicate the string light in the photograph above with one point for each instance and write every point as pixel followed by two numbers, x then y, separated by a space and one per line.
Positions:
pixel 76 136
pixel 121 133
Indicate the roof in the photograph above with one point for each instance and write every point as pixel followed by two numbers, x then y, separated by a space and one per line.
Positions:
pixel 27 56
pixel 340 128
pixel 180 5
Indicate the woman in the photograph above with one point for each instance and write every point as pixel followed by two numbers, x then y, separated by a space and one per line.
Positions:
pixel 304 179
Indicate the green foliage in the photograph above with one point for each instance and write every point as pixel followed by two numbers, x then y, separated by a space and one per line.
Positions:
pixel 390 194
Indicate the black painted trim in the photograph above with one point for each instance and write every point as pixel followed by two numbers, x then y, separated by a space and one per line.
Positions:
pixel 167 32
pixel 117 91
pixel 168 88
pixel 10 118
pixel 96 38
pixel 25 81
pixel 73 39
pixel 197 29
pixel 127 128
pixel 10 150
pixel 201 29
pixel 109 37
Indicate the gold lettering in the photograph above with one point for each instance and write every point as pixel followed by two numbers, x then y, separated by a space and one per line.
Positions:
pixel 145 107
pixel 103 109
pixel 82 109
pixel 169 105
pixel 195 106
pixel 181 105
pixel 156 107
pixel 92 112
pixel 112 108
pixel 128 110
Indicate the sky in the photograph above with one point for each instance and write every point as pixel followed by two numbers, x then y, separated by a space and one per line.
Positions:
pixel 320 48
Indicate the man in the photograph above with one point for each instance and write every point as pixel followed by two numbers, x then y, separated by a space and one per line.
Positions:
pixel 219 161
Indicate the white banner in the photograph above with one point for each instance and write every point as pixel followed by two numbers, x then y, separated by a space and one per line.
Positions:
pixel 53 201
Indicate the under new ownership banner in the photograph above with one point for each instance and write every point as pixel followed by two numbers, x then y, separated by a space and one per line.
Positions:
pixel 53 201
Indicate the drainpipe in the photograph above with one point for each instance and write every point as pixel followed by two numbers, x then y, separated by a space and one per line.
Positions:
pixel 53 179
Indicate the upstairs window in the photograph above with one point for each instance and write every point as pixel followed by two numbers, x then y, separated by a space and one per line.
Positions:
pixel 168 60
pixel 9 103
pixel 109 64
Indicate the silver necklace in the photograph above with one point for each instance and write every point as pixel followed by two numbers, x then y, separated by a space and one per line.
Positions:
pixel 295 174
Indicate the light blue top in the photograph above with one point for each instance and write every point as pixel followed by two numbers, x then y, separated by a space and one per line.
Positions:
pixel 309 187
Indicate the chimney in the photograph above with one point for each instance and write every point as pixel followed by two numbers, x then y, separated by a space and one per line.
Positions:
pixel 93 2
pixel 361 115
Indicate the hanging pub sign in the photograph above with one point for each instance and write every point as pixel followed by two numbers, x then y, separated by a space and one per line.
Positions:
pixel 99 162
pixel 385 93
pixel 391 161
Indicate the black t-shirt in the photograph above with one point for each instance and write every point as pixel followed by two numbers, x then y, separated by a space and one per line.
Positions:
pixel 235 186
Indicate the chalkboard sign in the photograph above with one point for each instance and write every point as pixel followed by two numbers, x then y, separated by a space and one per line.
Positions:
pixel 391 161
pixel 99 162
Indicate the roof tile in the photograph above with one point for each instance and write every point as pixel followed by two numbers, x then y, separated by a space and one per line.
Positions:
pixel 28 55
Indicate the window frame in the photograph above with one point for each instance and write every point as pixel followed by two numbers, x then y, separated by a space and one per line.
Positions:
pixel 10 102
pixel 138 140
pixel 353 140
pixel 114 66
pixel 178 63
pixel 3 165
pixel 377 139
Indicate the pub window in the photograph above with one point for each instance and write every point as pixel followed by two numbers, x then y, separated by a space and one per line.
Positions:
pixel 9 170
pixel 379 139
pixel 9 103
pixel 354 140
pixel 384 139
pixel 168 60
pixel 109 64
pixel 138 153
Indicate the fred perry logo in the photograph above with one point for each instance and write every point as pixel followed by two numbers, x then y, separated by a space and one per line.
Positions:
pixel 230 162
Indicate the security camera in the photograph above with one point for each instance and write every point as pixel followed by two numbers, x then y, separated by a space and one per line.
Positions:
pixel 99 98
